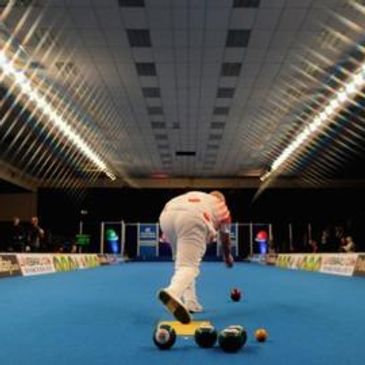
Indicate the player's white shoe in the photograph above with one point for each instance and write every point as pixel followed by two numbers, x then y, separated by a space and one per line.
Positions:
pixel 194 307
pixel 174 306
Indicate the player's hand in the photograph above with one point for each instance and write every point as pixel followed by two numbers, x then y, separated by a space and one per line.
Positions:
pixel 229 261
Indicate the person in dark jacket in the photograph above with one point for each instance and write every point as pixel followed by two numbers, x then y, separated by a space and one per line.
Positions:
pixel 35 235
pixel 18 236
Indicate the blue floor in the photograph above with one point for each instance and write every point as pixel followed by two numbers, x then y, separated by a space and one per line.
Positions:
pixel 107 315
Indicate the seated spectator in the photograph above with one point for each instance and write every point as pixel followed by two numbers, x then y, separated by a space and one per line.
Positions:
pixel 347 244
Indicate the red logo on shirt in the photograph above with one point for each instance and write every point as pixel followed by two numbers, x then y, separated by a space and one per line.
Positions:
pixel 206 216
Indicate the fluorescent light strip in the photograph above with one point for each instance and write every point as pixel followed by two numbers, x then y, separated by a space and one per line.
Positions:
pixel 25 86
pixel 356 83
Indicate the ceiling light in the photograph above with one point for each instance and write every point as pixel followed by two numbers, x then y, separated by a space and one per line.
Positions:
pixel 41 103
pixel 356 82
pixel 342 96
pixel 351 89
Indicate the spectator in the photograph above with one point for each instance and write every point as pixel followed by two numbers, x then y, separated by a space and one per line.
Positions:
pixel 339 237
pixel 18 236
pixel 313 245
pixel 347 244
pixel 324 240
pixel 271 246
pixel 35 236
pixel 74 248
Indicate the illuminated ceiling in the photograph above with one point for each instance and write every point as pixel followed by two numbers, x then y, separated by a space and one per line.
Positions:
pixel 193 89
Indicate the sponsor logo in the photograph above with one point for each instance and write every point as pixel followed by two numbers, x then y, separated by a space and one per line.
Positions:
pixel 285 261
pixel 9 266
pixel 114 259
pixel 360 266
pixel 260 259
pixel 309 262
pixel 103 259
pixel 271 258
pixel 341 264
pixel 75 262
pixel 147 232
pixel 300 261
pixel 35 264
pixel 91 261
pixel 65 263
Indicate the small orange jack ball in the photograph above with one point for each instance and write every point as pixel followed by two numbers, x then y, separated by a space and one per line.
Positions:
pixel 261 335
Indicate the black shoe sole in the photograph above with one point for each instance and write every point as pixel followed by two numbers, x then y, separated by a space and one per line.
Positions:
pixel 174 307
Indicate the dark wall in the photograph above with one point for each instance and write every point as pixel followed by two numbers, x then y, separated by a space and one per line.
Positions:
pixel 8 188
pixel 134 205
pixel 59 211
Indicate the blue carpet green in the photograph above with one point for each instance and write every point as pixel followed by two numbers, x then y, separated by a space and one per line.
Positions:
pixel 107 316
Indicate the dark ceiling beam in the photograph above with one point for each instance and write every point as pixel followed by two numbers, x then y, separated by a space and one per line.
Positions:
pixel 16 177
pixel 220 183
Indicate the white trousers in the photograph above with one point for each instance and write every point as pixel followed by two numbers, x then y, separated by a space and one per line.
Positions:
pixel 187 235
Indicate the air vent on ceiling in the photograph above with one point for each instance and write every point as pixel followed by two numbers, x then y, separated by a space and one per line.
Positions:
pixel 163 146
pixel 158 125
pixel 238 38
pixel 131 3
pixel 165 155
pixel 215 137
pixel 208 166
pixel 139 37
pixel 185 153
pixel 246 3
pixel 231 69
pixel 146 69
pixel 209 162
pixel 45 37
pixel 35 65
pixel 328 38
pixel 225 92
pixel 154 110
pixel 217 125
pixel 67 68
pixel 151 92
pixel 221 110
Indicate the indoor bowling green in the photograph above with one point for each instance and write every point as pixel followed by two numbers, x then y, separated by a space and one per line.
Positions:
pixel 182 181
